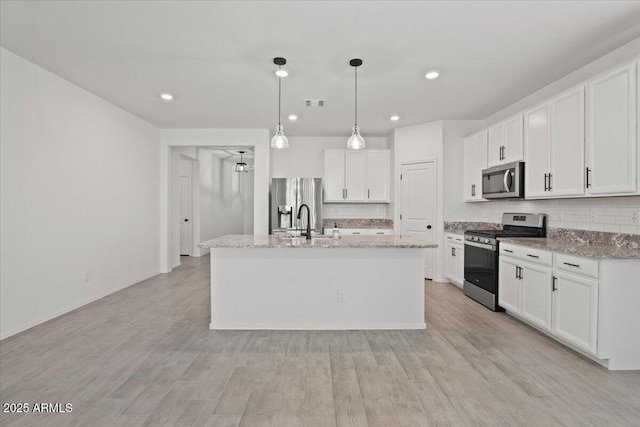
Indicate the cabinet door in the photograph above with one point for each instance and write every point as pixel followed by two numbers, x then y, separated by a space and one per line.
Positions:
pixel 567 143
pixel 495 144
pixel 334 175
pixel 611 132
pixel 355 170
pixel 509 285
pixel 536 294
pixel 475 160
pixel 450 265
pixel 378 175
pixel 536 143
pixel 459 264
pixel 513 135
pixel 575 310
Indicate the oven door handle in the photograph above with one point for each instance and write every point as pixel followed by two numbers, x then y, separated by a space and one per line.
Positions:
pixel 481 246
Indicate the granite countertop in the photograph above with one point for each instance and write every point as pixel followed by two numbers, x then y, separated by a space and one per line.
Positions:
pixel 571 247
pixel 358 223
pixel 355 242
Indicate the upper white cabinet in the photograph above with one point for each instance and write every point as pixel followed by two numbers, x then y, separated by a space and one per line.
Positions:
pixel 378 163
pixel 505 142
pixel 611 148
pixel 356 176
pixel 554 147
pixel 475 159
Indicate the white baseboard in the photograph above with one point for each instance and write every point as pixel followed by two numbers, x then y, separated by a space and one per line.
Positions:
pixel 74 307
pixel 315 327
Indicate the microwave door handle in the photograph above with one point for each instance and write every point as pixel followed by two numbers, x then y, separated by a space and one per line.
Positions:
pixel 507 186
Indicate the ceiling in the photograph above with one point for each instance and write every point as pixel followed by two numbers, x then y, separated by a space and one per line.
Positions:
pixel 216 57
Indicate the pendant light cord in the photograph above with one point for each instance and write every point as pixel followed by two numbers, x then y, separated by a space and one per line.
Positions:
pixel 356 114
pixel 279 95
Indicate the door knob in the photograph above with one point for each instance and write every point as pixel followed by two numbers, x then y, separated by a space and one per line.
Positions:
pixel 186 220
pixel 428 227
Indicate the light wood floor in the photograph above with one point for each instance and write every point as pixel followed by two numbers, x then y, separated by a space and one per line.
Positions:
pixel 144 356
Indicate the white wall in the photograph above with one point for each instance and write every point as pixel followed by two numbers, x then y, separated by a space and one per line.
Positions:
pixel 79 196
pixel 257 139
pixel 226 198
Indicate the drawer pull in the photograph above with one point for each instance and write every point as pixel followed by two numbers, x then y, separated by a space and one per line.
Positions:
pixel 572 265
pixel 379 232
pixel 533 256
pixel 356 232
pixel 508 250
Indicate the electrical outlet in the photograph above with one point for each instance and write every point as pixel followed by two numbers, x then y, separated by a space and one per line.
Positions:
pixel 634 217
pixel 341 298
pixel 86 277
pixel 594 217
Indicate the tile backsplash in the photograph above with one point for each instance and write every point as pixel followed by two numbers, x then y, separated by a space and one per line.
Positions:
pixel 355 210
pixel 610 214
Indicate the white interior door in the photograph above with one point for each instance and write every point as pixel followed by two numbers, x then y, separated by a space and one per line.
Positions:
pixel 418 206
pixel 185 215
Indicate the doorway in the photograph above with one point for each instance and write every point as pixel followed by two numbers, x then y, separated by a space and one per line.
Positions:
pixel 418 205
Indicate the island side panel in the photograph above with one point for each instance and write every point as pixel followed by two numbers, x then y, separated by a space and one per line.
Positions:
pixel 284 288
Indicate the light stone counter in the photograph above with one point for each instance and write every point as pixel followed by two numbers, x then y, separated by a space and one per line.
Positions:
pixel 350 242
pixel 572 247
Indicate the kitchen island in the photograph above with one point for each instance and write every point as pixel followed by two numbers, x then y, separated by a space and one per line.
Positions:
pixel 355 282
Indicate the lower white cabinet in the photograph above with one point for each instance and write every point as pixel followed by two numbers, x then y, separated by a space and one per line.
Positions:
pixel 575 309
pixel 536 294
pixel 509 286
pixel 525 289
pixel 454 259
pixel 588 304
pixel 360 231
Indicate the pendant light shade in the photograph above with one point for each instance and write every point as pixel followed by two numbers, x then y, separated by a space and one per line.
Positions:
pixel 279 140
pixel 356 141
pixel 241 166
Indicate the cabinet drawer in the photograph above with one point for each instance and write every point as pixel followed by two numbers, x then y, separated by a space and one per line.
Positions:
pixel 380 231
pixel 588 267
pixel 454 238
pixel 354 231
pixel 535 256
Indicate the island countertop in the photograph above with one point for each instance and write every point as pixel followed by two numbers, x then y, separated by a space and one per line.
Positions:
pixel 344 242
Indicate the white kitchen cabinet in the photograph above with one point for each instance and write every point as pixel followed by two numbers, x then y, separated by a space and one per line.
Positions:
pixel 536 294
pixel 505 142
pixel 333 175
pixel 575 309
pixel 454 259
pixel 378 164
pixel 355 168
pixel 360 231
pixel 554 147
pixel 510 285
pixel 475 160
pixel 356 176
pixel 537 151
pixel 611 148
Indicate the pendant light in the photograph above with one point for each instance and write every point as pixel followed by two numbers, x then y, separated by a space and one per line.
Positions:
pixel 356 141
pixel 279 140
pixel 241 166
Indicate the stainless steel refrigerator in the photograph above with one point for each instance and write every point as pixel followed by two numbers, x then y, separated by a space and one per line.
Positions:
pixel 287 194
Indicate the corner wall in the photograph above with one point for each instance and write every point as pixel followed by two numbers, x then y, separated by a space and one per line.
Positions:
pixel 79 196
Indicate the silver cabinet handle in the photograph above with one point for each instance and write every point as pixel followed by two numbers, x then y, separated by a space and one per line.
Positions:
pixel 368 193
pixel 508 250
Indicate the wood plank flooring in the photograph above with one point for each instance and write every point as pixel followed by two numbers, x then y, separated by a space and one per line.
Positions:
pixel 144 356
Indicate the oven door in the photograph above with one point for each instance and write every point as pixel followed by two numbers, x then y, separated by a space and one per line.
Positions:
pixel 481 266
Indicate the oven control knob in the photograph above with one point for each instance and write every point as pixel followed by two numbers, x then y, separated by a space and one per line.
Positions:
pixel 486 240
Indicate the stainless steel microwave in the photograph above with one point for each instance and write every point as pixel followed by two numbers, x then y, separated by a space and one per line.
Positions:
pixel 503 181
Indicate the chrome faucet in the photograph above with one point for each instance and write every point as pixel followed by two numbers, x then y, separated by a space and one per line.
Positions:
pixel 308 219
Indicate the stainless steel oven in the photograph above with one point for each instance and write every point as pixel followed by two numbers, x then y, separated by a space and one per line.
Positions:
pixel 503 181
pixel 481 254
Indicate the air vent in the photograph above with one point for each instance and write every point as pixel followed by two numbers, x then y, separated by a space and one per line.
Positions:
pixel 314 102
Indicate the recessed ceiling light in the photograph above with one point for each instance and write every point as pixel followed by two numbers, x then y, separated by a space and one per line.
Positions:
pixel 166 96
pixel 432 75
pixel 293 117
pixel 394 118
pixel 281 73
